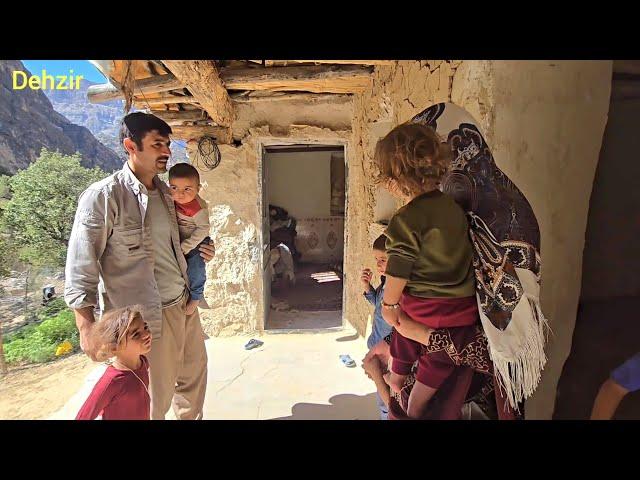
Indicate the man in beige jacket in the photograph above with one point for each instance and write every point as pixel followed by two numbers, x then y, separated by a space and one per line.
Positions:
pixel 125 249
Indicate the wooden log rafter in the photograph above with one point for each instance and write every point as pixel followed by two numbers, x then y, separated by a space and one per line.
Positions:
pixel 291 97
pixel 275 63
pixel 315 78
pixel 202 79
pixel 184 116
pixel 157 84
pixel 165 99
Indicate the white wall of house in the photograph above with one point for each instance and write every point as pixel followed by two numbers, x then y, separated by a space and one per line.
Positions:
pixel 301 183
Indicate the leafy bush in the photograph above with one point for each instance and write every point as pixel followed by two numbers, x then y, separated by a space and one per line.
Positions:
pixel 23 333
pixel 52 308
pixel 59 328
pixel 38 343
pixel 33 349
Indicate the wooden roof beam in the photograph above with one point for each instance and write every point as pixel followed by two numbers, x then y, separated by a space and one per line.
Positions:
pixel 107 92
pixel 316 78
pixel 184 116
pixel 203 81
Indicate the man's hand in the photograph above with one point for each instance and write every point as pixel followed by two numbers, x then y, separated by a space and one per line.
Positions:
pixel 86 343
pixel 207 251
pixel 85 322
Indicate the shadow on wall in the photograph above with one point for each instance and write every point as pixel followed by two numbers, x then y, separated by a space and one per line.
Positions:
pixel 343 407
pixel 611 258
pixel 607 330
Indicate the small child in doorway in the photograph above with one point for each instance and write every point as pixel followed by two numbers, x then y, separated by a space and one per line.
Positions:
pixel 380 328
pixel 122 393
pixel 193 223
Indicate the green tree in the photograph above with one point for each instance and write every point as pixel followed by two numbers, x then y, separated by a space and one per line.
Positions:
pixel 5 239
pixel 5 255
pixel 4 271
pixel 5 195
pixel 5 188
pixel 43 202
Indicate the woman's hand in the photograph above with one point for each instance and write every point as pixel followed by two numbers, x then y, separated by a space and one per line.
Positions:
pixel 413 330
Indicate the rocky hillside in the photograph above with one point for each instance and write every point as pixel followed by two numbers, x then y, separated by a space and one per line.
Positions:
pixel 28 122
pixel 102 119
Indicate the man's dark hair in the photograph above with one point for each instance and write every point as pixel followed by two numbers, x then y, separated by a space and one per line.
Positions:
pixel 379 244
pixel 184 170
pixel 137 124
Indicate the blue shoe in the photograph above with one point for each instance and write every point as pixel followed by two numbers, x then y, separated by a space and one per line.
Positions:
pixel 253 343
pixel 348 361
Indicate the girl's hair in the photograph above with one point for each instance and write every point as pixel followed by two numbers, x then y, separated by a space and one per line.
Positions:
pixel 112 328
pixel 414 156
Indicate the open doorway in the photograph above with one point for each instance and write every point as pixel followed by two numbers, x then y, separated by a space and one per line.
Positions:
pixel 303 221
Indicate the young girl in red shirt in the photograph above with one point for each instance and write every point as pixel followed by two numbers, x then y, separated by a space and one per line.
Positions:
pixel 122 393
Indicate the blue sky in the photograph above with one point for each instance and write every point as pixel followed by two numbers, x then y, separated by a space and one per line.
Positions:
pixel 62 67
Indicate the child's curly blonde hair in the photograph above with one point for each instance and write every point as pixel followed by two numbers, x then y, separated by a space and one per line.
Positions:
pixel 413 157
pixel 111 330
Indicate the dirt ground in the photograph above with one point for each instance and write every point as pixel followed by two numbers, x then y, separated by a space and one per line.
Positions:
pixel 36 391
pixel 308 294
pixel 309 304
